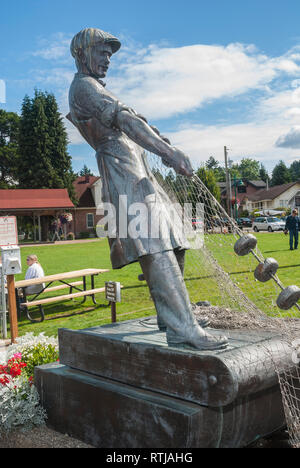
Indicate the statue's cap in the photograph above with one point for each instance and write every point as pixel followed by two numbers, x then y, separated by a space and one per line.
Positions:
pixel 89 37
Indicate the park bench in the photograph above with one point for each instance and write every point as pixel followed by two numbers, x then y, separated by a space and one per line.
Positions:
pixel 64 279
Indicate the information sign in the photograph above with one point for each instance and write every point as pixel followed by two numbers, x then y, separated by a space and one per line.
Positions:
pixel 8 230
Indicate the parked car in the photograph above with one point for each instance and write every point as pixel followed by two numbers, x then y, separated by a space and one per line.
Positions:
pixel 245 222
pixel 268 224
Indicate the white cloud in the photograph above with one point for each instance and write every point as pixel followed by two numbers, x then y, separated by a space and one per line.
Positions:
pixel 290 139
pixel 57 47
pixel 164 82
pixel 254 140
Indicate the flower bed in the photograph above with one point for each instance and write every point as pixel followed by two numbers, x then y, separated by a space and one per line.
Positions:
pixel 19 399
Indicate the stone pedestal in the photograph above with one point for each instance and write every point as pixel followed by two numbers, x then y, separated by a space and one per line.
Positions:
pixel 122 386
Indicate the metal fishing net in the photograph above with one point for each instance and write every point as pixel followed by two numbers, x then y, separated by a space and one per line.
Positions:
pixel 232 284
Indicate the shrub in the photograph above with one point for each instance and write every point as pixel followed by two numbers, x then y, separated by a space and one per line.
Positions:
pixel 37 355
pixel 84 235
pixel 19 399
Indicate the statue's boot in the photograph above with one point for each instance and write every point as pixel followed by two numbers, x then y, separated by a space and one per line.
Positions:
pixel 203 342
pixel 172 303
pixel 204 322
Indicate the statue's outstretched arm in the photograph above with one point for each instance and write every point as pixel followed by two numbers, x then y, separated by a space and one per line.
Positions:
pixel 138 130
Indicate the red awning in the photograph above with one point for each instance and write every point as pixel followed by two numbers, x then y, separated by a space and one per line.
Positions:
pixel 15 199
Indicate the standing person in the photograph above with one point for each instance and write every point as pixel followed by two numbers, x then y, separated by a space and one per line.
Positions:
pixel 292 226
pixel 120 136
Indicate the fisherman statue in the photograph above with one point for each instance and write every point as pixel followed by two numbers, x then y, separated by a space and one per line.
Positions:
pixel 120 137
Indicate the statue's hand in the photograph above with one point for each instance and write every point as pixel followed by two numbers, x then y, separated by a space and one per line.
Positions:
pixel 181 163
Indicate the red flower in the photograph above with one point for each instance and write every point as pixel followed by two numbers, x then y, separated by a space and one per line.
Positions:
pixel 4 380
pixel 13 368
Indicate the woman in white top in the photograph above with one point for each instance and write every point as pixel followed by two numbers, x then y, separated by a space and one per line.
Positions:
pixel 34 271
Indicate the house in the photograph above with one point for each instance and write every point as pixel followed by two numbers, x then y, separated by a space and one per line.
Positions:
pixel 88 193
pixel 241 190
pixel 279 196
pixel 36 204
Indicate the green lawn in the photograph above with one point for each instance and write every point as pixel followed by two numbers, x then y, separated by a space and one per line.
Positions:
pixel 201 280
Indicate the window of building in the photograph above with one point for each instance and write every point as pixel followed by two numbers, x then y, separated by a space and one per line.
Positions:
pixel 89 220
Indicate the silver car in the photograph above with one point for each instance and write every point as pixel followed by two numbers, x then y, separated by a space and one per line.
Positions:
pixel 268 224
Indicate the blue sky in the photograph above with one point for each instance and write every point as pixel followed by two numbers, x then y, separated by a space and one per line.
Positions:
pixel 207 74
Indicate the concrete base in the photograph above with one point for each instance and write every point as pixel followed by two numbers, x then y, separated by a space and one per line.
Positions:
pixel 121 386
pixel 109 414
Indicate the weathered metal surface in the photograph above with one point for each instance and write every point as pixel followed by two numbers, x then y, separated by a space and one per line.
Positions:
pixel 264 271
pixel 109 414
pixel 288 297
pixel 245 244
pixel 136 353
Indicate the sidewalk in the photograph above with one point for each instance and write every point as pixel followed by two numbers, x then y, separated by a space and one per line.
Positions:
pixel 76 241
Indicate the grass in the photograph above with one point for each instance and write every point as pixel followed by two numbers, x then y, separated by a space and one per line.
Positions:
pixel 73 314
pixel 136 303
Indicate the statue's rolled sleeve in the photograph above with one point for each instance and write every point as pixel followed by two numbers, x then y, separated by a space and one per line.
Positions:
pixel 100 103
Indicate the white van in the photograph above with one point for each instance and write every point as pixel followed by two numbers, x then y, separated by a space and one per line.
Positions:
pixel 268 224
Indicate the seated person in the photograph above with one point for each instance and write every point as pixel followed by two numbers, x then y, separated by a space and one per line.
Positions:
pixel 35 270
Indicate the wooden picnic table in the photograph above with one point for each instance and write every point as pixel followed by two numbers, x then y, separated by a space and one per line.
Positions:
pixel 60 277
pixel 63 278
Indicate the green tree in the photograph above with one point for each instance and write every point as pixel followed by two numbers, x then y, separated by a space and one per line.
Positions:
pixel 212 163
pixel 281 174
pixel 219 172
pixel 208 178
pixel 295 170
pixel 9 151
pixel 44 160
pixel 60 159
pixel 249 169
pixel 85 171
pixel 263 175
pixel 235 172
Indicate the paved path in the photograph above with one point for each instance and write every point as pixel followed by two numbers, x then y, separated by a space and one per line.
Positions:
pixel 77 241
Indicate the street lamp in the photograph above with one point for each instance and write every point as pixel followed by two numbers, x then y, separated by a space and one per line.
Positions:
pixel 236 183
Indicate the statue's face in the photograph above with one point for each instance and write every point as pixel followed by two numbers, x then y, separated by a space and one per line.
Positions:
pixel 97 59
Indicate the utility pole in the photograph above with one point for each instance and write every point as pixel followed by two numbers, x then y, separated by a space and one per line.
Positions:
pixel 228 183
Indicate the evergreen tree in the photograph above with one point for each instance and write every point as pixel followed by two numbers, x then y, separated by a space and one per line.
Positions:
pixel 212 163
pixel 263 175
pixel 85 171
pixel 44 160
pixel 295 171
pixel 219 172
pixel 281 174
pixel 9 155
pixel 60 159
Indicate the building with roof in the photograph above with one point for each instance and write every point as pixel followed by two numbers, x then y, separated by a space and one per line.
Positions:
pixel 88 193
pixel 279 196
pixel 37 204
pixel 242 192
pixel 42 206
